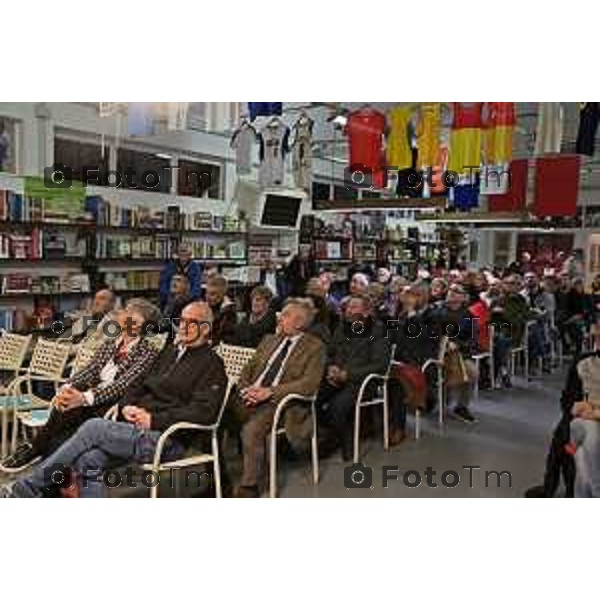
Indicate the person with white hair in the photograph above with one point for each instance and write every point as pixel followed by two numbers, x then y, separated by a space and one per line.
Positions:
pixel 187 384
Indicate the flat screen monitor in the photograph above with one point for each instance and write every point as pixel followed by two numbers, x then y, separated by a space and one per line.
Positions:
pixel 281 210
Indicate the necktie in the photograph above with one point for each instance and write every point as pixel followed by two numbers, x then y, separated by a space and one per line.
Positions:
pixel 276 365
pixel 180 352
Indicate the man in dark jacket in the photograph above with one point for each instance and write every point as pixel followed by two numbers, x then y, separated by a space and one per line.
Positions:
pixel 355 351
pixel 223 310
pixel 188 383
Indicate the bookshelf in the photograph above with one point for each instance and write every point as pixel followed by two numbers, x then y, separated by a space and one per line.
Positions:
pixel 53 259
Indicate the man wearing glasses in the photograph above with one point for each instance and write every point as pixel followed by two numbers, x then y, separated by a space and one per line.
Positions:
pixel 187 383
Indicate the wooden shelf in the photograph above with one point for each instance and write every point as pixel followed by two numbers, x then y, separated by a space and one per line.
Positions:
pixel 13 295
pixel 39 262
pixel 90 227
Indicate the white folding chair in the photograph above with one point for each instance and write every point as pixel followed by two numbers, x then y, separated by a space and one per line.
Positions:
pixel 438 365
pixel 13 350
pixel 478 358
pixel 277 429
pixel 522 350
pixel 382 401
pixel 47 364
pixel 234 359
pixel 85 353
pixel 194 459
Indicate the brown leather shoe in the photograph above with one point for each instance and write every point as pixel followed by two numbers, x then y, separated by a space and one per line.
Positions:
pixel 397 436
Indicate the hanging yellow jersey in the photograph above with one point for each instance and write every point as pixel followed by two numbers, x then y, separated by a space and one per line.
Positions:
pixel 399 153
pixel 428 134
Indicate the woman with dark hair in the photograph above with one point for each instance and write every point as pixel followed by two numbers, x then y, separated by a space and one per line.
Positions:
pixel 259 322
pixel 119 364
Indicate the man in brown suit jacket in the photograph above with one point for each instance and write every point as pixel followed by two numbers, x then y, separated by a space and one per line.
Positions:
pixel 289 362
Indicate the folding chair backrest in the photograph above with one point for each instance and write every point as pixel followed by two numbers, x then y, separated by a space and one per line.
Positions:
pixel 13 349
pixel 391 361
pixel 84 355
pixel 235 358
pixel 49 358
pixel 442 349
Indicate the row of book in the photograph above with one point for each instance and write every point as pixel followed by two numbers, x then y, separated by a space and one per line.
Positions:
pixel 40 244
pixel 202 249
pixel 105 213
pixel 164 247
pixel 26 283
pixel 160 247
pixel 132 280
pixel 18 208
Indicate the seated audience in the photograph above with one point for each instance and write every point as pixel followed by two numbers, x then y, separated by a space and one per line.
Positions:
pixel 119 364
pixel 438 291
pixel 92 325
pixel 326 318
pixel 455 322
pixel 223 310
pixel 188 383
pixel 379 308
pixel 326 280
pixel 413 346
pixel 183 265
pixel 359 284
pixel 578 315
pixel 289 362
pixel 349 360
pixel 260 322
pixel 502 340
pixel 178 299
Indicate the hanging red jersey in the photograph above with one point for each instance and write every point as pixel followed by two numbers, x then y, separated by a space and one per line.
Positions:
pixel 466 115
pixel 500 114
pixel 365 129
pixel 465 137
pixel 556 186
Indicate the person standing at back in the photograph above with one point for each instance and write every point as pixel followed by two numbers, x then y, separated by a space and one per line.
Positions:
pixel 183 265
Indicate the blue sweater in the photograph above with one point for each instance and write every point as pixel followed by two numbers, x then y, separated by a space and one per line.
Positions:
pixel 193 272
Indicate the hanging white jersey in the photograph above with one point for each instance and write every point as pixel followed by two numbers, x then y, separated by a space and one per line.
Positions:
pixel 548 137
pixel 274 147
pixel 302 152
pixel 242 142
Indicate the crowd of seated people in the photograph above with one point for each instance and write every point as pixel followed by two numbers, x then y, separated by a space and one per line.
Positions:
pixel 314 345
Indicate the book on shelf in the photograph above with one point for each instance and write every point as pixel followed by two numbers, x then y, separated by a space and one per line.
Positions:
pixel 7 319
pixel 201 221
pixel 16 283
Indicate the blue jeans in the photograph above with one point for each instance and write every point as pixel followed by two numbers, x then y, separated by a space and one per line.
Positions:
pixel 585 434
pixel 97 444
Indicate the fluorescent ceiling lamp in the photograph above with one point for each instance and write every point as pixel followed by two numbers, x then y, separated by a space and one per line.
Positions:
pixel 162 155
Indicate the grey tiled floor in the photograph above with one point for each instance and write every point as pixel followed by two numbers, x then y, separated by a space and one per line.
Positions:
pixel 512 434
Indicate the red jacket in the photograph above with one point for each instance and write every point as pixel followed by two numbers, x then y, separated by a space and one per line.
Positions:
pixel 480 311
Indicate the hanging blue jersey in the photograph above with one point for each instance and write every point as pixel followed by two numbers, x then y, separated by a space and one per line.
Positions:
pixel 264 109
pixel 466 197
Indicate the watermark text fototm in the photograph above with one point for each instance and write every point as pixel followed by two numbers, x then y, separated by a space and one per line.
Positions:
pixel 59 475
pixel 359 476
pixel 359 176
pixel 112 329
pixel 62 176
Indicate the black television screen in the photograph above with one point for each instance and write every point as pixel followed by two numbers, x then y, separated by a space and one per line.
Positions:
pixel 281 211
